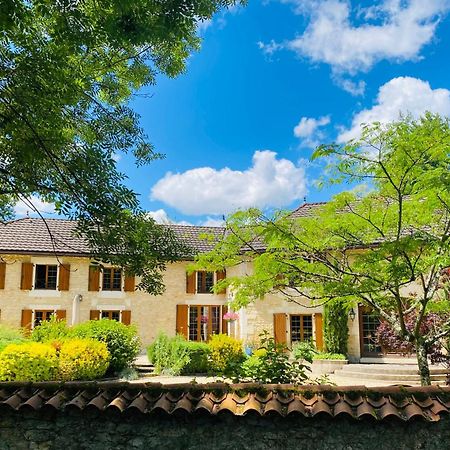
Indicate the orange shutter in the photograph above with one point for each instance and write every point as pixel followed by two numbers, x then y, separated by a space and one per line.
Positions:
pixel 129 284
pixel 224 322
pixel 126 317
pixel 94 314
pixel 318 322
pixel 220 275
pixel 26 280
pixel 60 314
pixel 190 283
pixel 279 328
pixel 27 318
pixel 182 320
pixel 94 278
pixel 2 275
pixel 64 277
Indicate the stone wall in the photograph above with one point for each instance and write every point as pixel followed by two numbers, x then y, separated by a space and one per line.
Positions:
pixel 94 430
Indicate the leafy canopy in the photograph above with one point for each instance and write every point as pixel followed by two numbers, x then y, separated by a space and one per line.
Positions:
pixel 385 243
pixel 68 70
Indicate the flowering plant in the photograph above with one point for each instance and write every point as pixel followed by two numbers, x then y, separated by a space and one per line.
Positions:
pixel 231 316
pixel 204 319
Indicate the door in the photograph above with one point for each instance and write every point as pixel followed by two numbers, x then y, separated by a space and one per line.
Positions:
pixel 368 324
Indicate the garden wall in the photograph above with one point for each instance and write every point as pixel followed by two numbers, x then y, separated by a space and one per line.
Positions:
pixel 113 415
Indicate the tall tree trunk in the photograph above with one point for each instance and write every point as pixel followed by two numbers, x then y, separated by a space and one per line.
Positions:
pixel 422 362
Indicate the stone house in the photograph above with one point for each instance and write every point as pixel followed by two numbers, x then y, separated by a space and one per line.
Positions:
pixel 45 270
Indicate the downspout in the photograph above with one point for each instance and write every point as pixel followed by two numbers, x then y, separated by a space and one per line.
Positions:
pixel 76 308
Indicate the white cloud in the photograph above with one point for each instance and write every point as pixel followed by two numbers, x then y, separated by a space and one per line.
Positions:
pixel 270 182
pixel 354 88
pixel 392 30
pixel 29 206
pixel 212 222
pixel 308 130
pixel 161 216
pixel 400 96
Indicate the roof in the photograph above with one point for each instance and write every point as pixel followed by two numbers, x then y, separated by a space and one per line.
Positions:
pixel 355 402
pixel 307 210
pixel 33 235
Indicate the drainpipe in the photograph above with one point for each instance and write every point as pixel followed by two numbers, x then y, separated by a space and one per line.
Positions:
pixel 76 308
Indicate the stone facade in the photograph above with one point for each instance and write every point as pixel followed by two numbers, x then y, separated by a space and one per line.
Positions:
pixel 25 430
pixel 150 313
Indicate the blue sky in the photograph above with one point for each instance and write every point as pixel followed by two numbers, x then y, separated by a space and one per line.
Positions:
pixel 271 81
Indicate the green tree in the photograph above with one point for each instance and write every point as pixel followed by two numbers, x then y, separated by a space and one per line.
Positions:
pixel 68 70
pixel 386 246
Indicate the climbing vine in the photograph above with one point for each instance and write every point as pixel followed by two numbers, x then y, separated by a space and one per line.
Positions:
pixel 335 326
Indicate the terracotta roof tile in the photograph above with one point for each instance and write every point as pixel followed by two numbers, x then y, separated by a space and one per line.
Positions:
pixel 238 400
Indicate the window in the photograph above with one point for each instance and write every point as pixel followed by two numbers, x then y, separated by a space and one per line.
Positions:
pixel 41 316
pixel 204 321
pixel 205 282
pixel 301 328
pixel 112 279
pixel 45 276
pixel 111 315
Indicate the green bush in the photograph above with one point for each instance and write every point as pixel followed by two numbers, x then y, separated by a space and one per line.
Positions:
pixel 121 340
pixel 272 365
pixel 83 359
pixel 198 353
pixel 304 351
pixel 339 356
pixel 177 356
pixel 28 361
pixel 335 326
pixel 51 330
pixel 10 335
pixel 226 354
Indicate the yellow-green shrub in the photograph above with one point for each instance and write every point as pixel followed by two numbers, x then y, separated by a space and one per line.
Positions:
pixel 225 355
pixel 82 359
pixel 30 361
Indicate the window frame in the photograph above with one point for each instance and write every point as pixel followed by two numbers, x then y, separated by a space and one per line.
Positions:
pixel 112 270
pixel 110 312
pixel 302 328
pixel 201 282
pixel 46 288
pixel 49 312
pixel 203 334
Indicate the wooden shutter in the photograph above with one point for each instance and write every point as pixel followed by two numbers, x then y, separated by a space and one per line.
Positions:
pixel 64 277
pixel 279 328
pixel 220 275
pixel 60 314
pixel 94 278
pixel 318 323
pixel 126 317
pixel 26 280
pixel 2 274
pixel 129 284
pixel 94 314
pixel 182 320
pixel 27 319
pixel 190 283
pixel 224 322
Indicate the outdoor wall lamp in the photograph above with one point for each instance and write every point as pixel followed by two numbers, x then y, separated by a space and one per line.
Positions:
pixel 352 314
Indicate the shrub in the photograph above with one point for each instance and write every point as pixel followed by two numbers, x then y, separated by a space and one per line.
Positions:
pixel 335 327
pixel 304 351
pixel 198 353
pixel 226 354
pixel 121 340
pixel 83 359
pixel 176 356
pixel 51 330
pixel 10 335
pixel 273 365
pixel 29 361
pixel 339 356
